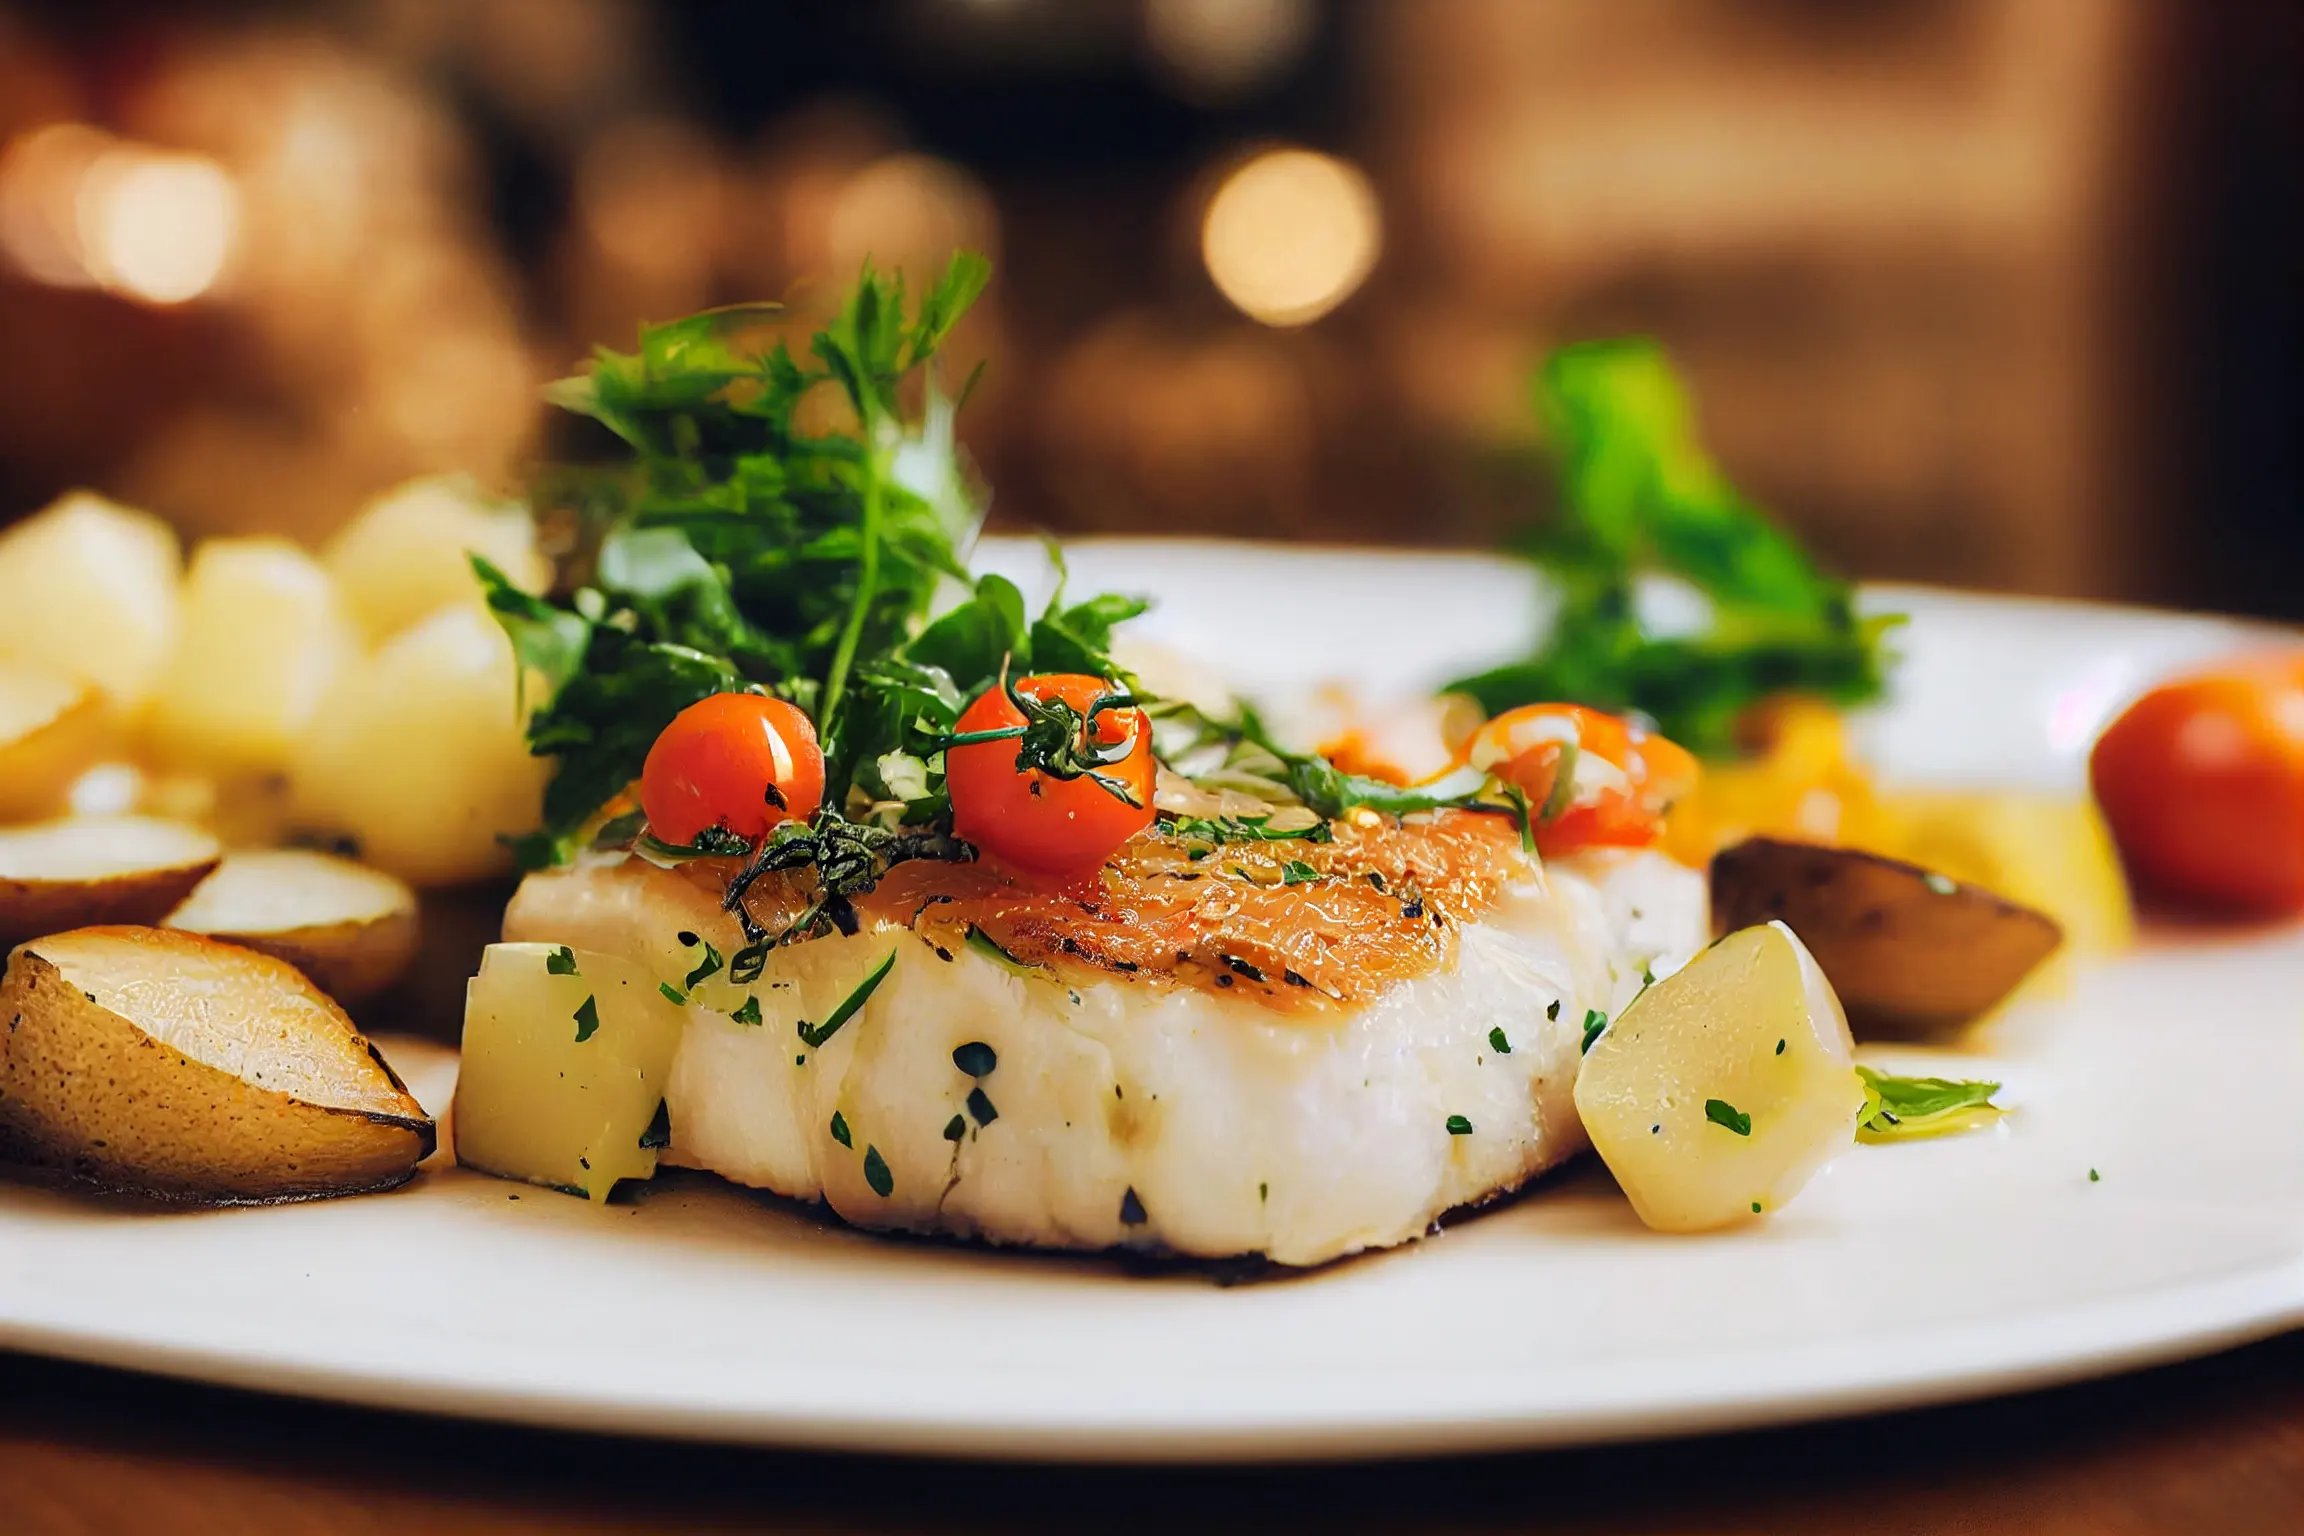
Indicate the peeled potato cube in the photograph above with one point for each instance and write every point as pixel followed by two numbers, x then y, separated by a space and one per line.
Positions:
pixel 53 728
pixel 407 553
pixel 261 637
pixel 64 874
pixel 351 929
pixel 418 754
pixel 1723 1088
pixel 566 1052
pixel 88 588
pixel 168 1063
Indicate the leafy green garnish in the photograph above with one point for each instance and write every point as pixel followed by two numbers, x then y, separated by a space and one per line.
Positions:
pixel 980 1105
pixel 1497 1041
pixel 1910 1108
pixel 1727 1116
pixel 561 961
pixel 707 967
pixel 876 1173
pixel 840 1130
pixel 587 1019
pixel 1594 1023
pixel 1297 872
pixel 672 994
pixel 748 1011
pixel 817 1034
pixel 1459 1126
pixel 984 944
pixel 1638 494
pixel 975 1058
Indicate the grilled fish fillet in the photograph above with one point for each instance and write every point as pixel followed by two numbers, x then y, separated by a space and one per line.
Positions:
pixel 1194 1056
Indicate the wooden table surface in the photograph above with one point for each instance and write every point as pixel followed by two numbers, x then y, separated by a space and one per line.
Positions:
pixel 2210 1448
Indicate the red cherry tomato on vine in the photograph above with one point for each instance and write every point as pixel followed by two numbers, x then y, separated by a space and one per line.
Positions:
pixel 742 761
pixel 1038 820
pixel 2202 782
pixel 1621 780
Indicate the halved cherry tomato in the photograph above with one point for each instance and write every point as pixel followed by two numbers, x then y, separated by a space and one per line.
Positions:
pixel 1621 778
pixel 2202 782
pixel 742 761
pixel 1041 821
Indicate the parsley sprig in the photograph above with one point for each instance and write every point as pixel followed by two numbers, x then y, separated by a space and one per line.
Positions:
pixel 1637 493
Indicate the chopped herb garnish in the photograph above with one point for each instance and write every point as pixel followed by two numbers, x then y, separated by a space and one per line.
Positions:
pixel 679 999
pixel 2094 1177
pixel 876 1173
pixel 1297 872
pixel 840 1130
pixel 984 944
pixel 707 967
pixel 1498 1043
pixel 975 1058
pixel 1908 1108
pixel 980 1106
pixel 817 1034
pixel 1263 1193
pixel 745 966
pixel 1755 1207
pixel 1594 1022
pixel 1779 1047
pixel 587 1019
pixel 955 1128
pixel 1727 1116
pixel 748 1012
pixel 560 962
pixel 1132 1212
pixel 1552 1011
pixel 659 1132
pixel 687 940
pixel 1459 1126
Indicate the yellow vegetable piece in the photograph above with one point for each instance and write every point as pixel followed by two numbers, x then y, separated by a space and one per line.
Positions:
pixel 262 637
pixel 88 588
pixel 53 728
pixel 2047 851
pixel 418 754
pixel 565 1056
pixel 1725 1086
pixel 405 555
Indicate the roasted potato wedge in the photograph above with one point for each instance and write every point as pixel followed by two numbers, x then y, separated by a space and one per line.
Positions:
pixel 175 1066
pixel 1911 952
pixel 64 874
pixel 351 929
pixel 53 728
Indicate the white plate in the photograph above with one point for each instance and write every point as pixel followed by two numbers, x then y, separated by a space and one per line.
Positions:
pixel 1904 1275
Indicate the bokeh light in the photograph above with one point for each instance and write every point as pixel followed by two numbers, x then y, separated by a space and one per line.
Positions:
pixel 1291 234
pixel 157 227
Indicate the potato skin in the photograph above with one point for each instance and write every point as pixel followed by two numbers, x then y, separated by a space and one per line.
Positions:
pixel 30 908
pixel 351 962
pixel 85 1091
pixel 1910 952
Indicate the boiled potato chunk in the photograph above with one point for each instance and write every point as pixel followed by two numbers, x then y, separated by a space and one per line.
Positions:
pixel 262 636
pixel 88 589
pixel 170 1064
pixel 1725 1086
pixel 64 874
pixel 418 754
pixel 53 728
pixel 349 928
pixel 406 554
pixel 565 1056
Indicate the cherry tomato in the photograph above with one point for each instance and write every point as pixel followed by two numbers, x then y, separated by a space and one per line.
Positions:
pixel 1049 825
pixel 736 760
pixel 2203 784
pixel 1622 782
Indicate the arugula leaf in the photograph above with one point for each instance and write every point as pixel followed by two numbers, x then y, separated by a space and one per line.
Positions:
pixel 1911 1108
pixel 1638 493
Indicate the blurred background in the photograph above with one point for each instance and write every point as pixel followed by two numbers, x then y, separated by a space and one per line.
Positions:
pixel 1994 292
